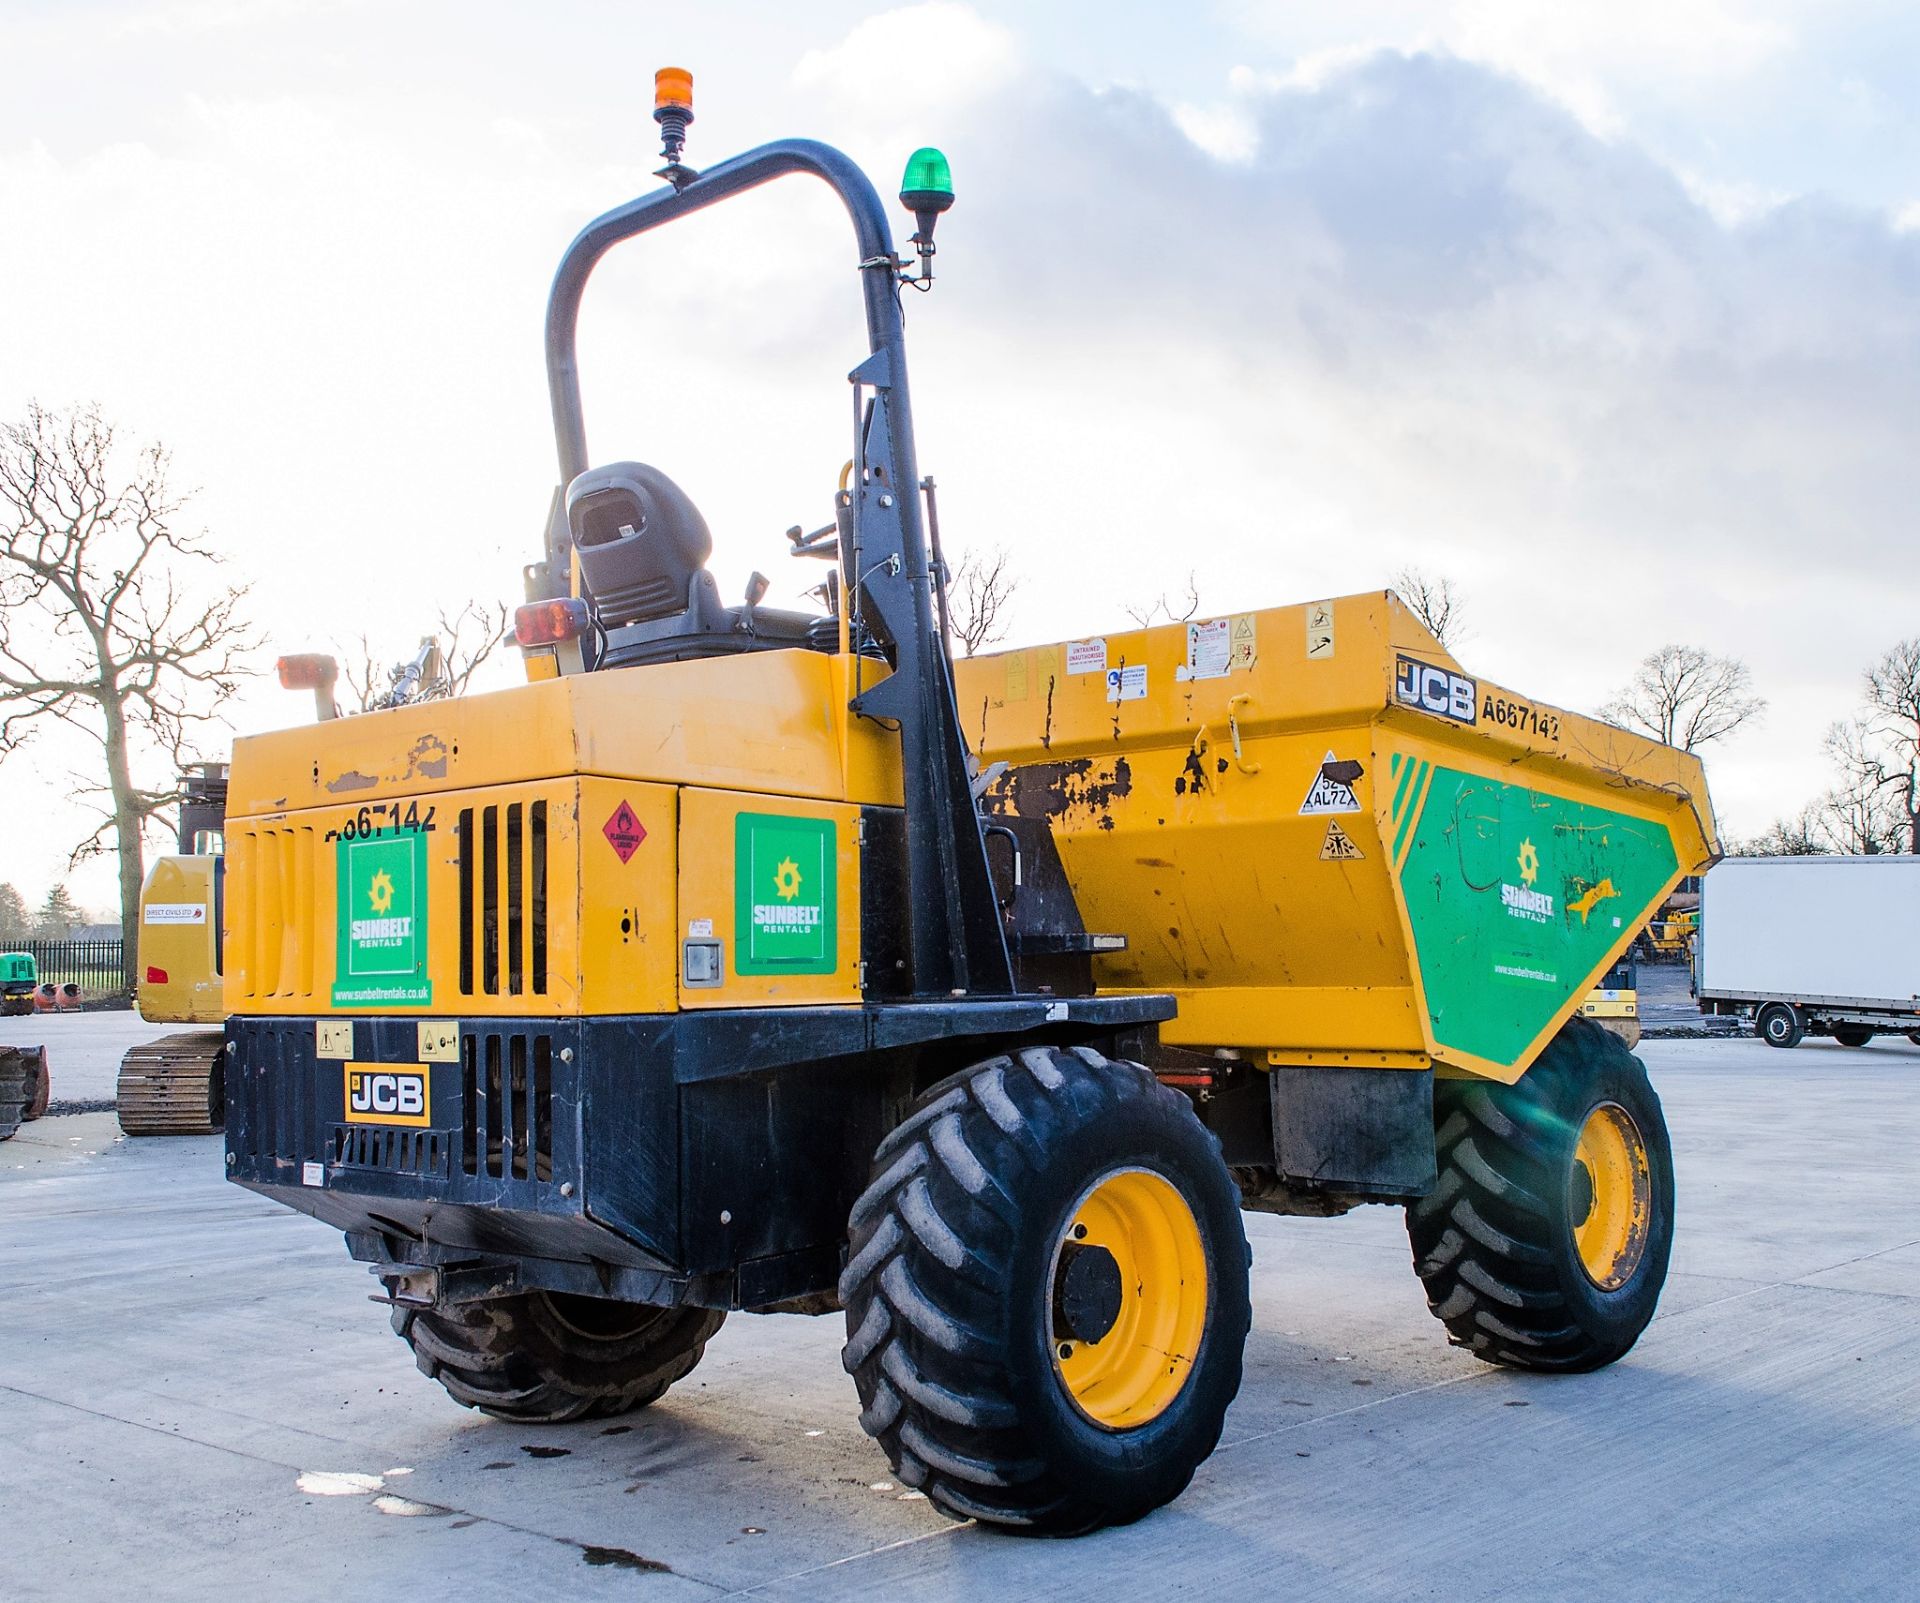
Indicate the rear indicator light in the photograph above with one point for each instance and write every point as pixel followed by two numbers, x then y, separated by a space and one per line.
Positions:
pixel 310 671
pixel 547 623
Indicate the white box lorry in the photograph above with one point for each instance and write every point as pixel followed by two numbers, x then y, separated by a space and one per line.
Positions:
pixel 1812 946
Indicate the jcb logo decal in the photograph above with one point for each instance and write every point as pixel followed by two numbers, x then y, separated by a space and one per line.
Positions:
pixel 1435 690
pixel 387 1095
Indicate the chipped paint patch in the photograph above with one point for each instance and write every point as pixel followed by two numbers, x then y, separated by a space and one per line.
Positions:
pixel 351 780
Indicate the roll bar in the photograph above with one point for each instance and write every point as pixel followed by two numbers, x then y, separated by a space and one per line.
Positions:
pixel 957 943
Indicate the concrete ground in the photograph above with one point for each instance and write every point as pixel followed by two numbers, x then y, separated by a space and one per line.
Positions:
pixel 83 1051
pixel 197 1399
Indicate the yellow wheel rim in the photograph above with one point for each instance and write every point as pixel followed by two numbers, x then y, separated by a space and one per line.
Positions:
pixel 1140 1361
pixel 1610 1200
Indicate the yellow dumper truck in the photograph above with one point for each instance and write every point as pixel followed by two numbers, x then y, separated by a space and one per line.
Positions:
pixel 748 960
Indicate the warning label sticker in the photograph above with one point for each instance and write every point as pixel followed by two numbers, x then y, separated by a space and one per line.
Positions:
pixel 1319 630
pixel 1209 649
pixel 624 831
pixel 1086 656
pixel 1339 846
pixel 1332 788
pixel 1127 682
pixel 1243 647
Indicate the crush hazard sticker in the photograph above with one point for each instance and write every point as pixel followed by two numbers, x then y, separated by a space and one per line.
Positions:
pixel 786 906
pixel 1332 788
pixel 625 831
pixel 1339 846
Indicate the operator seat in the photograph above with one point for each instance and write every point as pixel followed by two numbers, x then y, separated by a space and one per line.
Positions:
pixel 643 549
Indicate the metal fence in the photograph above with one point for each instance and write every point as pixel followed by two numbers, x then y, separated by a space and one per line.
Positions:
pixel 95 966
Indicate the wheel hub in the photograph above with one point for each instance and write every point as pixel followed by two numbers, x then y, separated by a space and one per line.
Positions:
pixel 1127 1298
pixel 1580 1195
pixel 1086 1293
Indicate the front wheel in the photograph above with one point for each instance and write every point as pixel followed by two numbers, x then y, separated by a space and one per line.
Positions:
pixel 1544 1243
pixel 1046 1293
pixel 1780 1025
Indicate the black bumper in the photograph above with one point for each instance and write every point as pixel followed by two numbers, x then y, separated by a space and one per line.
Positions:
pixel 705 1157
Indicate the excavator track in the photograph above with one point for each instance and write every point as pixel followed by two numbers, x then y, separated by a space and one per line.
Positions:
pixel 173 1086
pixel 23 1086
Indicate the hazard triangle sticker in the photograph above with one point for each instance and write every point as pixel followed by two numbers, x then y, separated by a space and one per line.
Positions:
pixel 1339 846
pixel 1332 788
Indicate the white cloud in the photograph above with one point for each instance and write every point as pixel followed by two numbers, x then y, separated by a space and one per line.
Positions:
pixel 921 59
pixel 1364 308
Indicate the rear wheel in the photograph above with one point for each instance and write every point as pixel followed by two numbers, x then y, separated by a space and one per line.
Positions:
pixel 1780 1025
pixel 545 1357
pixel 1046 1293
pixel 1852 1034
pixel 1544 1244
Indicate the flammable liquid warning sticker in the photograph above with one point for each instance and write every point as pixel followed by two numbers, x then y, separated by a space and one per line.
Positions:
pixel 380 893
pixel 786 906
pixel 624 831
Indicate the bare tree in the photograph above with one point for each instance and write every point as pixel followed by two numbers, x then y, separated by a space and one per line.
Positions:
pixel 1804 834
pixel 1143 613
pixel 977 595
pixel 1684 696
pixel 1877 754
pixel 1436 602
pixel 1890 733
pixel 112 621
pixel 466 639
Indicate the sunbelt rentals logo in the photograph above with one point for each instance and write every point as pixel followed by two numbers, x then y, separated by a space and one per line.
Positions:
pixel 1523 901
pixel 381 898
pixel 785 895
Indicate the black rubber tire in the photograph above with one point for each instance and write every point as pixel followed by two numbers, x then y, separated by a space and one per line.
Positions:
pixel 542 1358
pixel 1493 1242
pixel 1852 1034
pixel 948 1300
pixel 1779 1025
pixel 1914 1037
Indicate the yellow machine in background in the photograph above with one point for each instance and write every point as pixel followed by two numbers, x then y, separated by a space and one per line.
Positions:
pixel 1671 939
pixel 174 1086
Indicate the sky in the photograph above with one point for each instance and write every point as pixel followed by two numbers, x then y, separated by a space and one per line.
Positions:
pixel 1610 313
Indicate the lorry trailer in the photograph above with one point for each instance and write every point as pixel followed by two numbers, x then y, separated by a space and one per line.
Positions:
pixel 1813 946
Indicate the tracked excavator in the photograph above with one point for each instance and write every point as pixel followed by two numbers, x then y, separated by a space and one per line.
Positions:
pixel 173 1086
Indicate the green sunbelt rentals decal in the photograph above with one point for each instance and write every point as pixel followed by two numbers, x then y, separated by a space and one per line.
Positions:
pixel 785 915
pixel 1515 898
pixel 381 897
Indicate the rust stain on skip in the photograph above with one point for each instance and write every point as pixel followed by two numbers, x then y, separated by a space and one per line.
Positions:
pixel 1049 790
